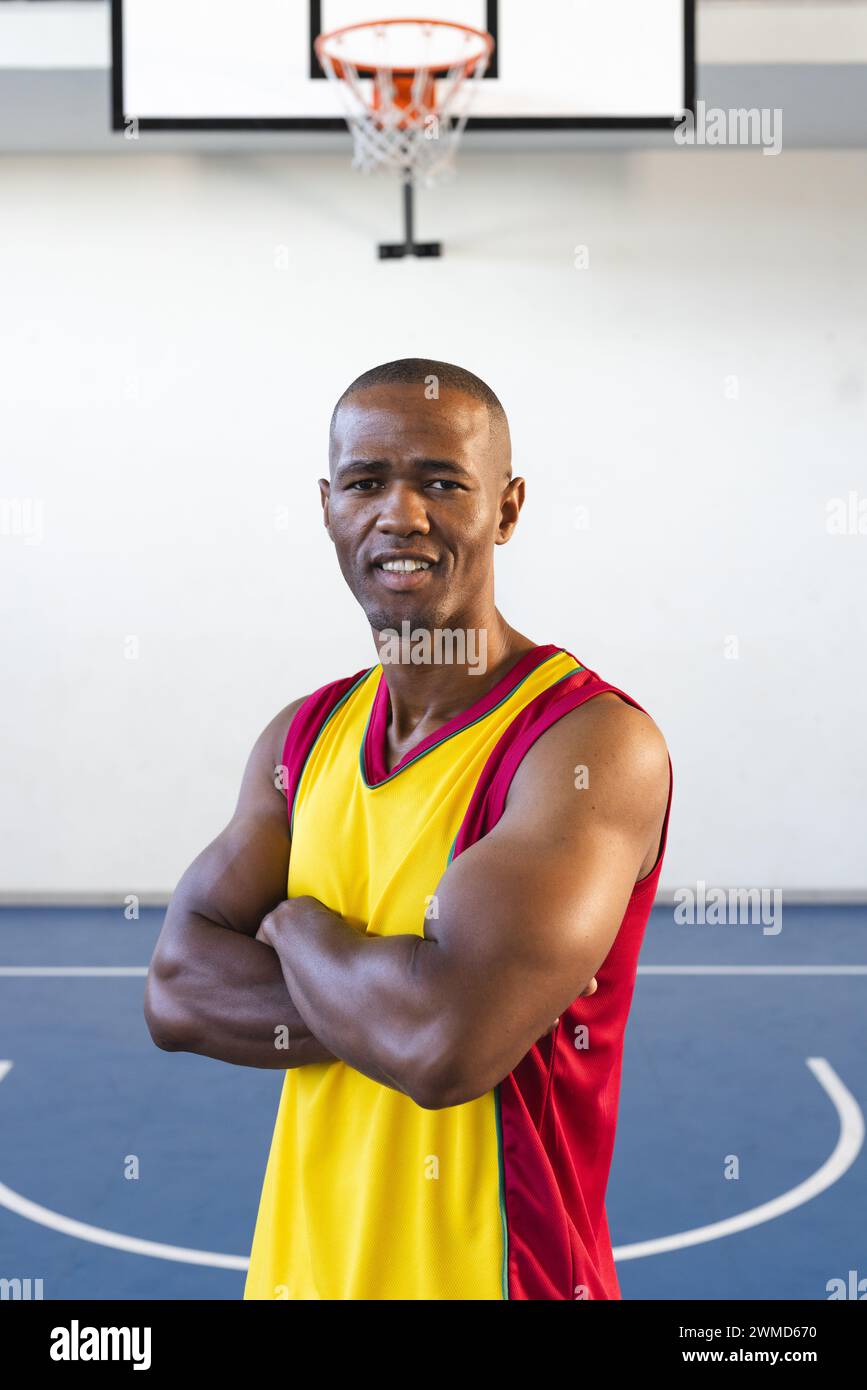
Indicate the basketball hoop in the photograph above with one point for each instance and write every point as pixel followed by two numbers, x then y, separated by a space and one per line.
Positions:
pixel 406 86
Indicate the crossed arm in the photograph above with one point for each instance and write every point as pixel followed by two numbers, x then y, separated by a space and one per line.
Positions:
pixel 525 918
pixel 212 988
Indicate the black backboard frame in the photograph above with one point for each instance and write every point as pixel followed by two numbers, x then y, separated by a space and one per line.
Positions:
pixel 120 119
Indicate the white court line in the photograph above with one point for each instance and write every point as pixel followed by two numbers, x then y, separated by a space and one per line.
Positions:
pixel 848 1146
pixel 96 1236
pixel 98 971
pixel 80 971
pixel 752 969
pixel 42 1216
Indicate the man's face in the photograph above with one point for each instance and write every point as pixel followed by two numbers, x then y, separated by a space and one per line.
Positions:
pixel 424 480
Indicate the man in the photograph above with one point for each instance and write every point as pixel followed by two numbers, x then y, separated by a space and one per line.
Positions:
pixel 475 848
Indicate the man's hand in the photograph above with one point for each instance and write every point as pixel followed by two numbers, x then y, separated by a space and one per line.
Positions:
pixel 291 915
pixel 585 994
pixel 271 923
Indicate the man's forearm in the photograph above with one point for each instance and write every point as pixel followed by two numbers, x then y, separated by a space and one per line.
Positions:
pixel 362 993
pixel 226 997
pixel 394 1007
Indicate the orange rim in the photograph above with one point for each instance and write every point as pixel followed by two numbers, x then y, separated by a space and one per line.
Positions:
pixel 487 40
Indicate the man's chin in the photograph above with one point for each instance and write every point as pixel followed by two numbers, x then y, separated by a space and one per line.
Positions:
pixel 391 619
pixel 390 611
pixel 400 623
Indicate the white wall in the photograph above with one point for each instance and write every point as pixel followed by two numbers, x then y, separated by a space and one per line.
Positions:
pixel 166 389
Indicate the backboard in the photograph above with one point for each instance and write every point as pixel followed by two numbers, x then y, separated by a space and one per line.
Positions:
pixel 250 64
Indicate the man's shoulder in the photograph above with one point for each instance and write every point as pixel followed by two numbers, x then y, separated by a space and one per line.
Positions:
pixel 268 750
pixel 606 746
pixel 608 718
pixel 317 705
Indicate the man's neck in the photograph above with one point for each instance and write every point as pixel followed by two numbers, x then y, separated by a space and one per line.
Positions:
pixel 429 684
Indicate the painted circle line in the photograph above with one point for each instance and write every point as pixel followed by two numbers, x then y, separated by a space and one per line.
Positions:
pixel 846 1150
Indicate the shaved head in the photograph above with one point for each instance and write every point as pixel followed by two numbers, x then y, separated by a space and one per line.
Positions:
pixel 420 465
pixel 431 377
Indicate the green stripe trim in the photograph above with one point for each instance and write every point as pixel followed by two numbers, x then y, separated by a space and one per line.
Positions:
pixel 374 786
pixel 558 681
pixel 502 1167
pixel 324 726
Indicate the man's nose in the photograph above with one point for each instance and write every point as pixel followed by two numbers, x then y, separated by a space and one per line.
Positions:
pixel 402 510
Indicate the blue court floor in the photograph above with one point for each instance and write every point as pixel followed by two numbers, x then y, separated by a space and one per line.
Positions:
pixel 743 1050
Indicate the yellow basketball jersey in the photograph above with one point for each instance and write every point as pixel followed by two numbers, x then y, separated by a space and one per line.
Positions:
pixel 366 1195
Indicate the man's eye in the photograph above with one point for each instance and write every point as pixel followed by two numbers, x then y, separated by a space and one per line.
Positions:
pixel 369 484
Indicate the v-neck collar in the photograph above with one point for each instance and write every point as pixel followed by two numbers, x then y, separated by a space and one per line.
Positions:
pixel 374 769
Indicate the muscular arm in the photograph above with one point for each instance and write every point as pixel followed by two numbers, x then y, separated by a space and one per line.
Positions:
pixel 212 987
pixel 525 918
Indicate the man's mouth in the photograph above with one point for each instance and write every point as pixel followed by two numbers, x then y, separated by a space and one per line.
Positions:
pixel 404 566
pixel 404 572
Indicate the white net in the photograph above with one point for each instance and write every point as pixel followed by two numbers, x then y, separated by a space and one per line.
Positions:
pixel 407 87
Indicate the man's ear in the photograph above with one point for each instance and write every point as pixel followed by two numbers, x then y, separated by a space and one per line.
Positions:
pixel 325 493
pixel 511 503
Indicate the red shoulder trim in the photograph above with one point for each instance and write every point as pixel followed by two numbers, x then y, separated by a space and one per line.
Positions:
pixel 489 798
pixel 309 721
